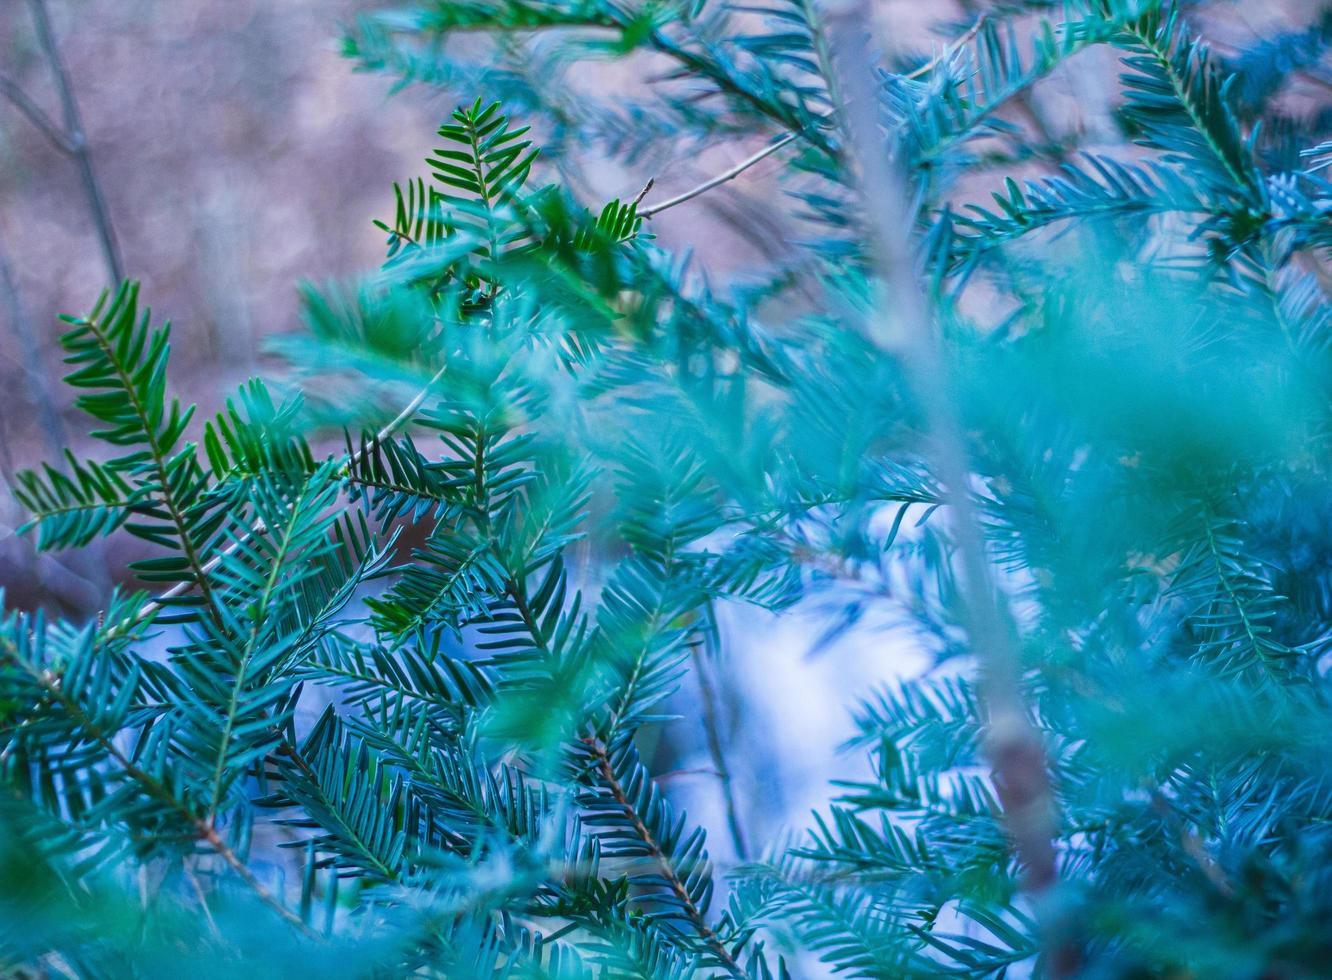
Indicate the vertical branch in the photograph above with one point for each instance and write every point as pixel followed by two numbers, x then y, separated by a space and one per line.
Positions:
pixel 43 397
pixel 76 142
pixel 712 732
pixel 1014 747
pixel 81 578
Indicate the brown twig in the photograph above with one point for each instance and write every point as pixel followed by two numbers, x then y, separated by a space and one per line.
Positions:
pixel 82 577
pixel 1016 753
pixel 214 840
pixel 202 898
pixel 669 873
pixel 30 352
pixel 638 199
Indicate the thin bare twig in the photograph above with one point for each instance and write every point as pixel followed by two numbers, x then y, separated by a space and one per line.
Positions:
pixel 1016 753
pixel 722 771
pixel 79 579
pixel 29 351
pixel 638 199
pixel 952 48
pixel 721 178
pixel 197 888
pixel 77 143
pixel 680 773
pixel 242 870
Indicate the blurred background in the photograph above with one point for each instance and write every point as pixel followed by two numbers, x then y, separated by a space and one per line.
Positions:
pixel 238 153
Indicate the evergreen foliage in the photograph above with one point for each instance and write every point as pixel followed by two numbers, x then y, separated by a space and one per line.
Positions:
pixel 380 707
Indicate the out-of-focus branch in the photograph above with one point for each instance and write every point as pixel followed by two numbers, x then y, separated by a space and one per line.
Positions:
pixel 70 137
pixel 720 768
pixel 21 101
pixel 1014 747
pixel 80 579
pixel 30 353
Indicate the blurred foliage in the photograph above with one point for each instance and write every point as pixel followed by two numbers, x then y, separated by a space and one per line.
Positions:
pixel 378 713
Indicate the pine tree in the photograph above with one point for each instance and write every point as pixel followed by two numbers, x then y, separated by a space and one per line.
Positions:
pixel 378 708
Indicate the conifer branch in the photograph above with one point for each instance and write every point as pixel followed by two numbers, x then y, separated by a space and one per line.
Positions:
pixel 155 788
pixel 158 457
pixel 409 410
pixel 481 763
pixel 710 939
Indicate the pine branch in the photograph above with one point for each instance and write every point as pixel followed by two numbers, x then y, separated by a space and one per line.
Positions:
pixel 1176 77
pixel 1101 188
pixel 109 335
pixel 289 541
pixel 356 813
pixel 693 913
pixel 403 417
pixel 155 788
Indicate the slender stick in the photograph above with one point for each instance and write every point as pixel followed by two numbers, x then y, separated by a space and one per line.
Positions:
pixel 76 143
pixel 1016 753
pixel 712 731
pixel 722 178
pixel 80 579
pixel 952 47
pixel 197 888
pixel 52 428
pixel 214 840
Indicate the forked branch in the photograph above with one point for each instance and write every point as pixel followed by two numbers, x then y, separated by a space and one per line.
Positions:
pixel 68 136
